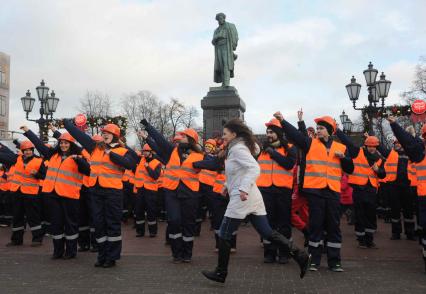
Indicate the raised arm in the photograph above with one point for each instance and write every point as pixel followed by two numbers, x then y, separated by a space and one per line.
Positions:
pixel 412 147
pixel 126 161
pixel 39 144
pixel 353 150
pixel 8 158
pixel 80 136
pixel 165 147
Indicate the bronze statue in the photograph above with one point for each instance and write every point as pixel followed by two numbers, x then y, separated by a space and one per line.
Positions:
pixel 225 41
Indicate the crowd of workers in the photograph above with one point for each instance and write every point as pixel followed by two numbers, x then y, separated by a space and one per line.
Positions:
pixel 80 190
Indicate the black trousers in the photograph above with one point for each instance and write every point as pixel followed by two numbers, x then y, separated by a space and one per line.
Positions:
pixel 204 206
pixel 26 208
pixel 365 214
pixel 324 217
pixel 421 202
pixel 127 200
pixel 146 202
pixel 64 224
pixel 278 209
pixel 219 204
pixel 181 215
pixel 6 208
pixel 85 221
pixel 402 199
pixel 107 212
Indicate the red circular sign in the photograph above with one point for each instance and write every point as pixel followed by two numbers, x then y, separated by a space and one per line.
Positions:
pixel 418 107
pixel 80 120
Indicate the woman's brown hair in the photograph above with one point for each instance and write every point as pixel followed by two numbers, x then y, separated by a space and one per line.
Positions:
pixel 238 127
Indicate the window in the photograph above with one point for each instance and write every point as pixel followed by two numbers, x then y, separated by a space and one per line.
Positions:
pixel 3 106
pixel 2 77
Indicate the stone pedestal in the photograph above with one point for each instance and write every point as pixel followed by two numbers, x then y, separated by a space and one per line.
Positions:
pixel 219 106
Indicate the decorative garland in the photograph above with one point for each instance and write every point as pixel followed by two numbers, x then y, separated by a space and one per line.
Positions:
pixel 98 122
pixel 395 110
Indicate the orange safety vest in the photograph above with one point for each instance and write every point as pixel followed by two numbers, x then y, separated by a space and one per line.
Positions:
pixel 272 173
pixel 10 175
pixel 411 172
pixel 103 170
pixel 160 178
pixel 219 183
pixel 86 179
pixel 4 185
pixel 63 177
pixel 142 177
pixel 323 169
pixel 128 176
pixel 185 172
pixel 23 179
pixel 391 166
pixel 363 171
pixel 421 177
pixel 207 177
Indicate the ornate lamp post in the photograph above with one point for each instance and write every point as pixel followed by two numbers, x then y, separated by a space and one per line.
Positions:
pixel 346 122
pixel 48 105
pixel 377 92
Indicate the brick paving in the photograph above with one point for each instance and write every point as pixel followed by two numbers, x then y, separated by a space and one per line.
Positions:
pixel 146 267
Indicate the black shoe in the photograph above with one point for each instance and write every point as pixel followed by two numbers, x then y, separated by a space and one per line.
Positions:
pixel 99 263
pixel 152 235
pixel 66 256
pixel 109 263
pixel 215 275
pixel 139 235
pixel 362 244
pixel 56 256
pixel 336 268
pixel 372 245
pixel 83 249
pixel 283 259
pixel 395 237
pixel 269 259
pixel 187 260
pixel 411 237
pixel 177 260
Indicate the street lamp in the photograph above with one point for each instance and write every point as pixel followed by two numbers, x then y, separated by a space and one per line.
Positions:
pixel 346 122
pixel 48 105
pixel 377 92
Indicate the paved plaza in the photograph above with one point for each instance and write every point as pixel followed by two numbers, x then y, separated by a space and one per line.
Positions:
pixel 146 267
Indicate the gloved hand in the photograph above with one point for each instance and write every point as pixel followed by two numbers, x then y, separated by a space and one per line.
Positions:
pixel 144 122
pixel 16 142
pixel 269 150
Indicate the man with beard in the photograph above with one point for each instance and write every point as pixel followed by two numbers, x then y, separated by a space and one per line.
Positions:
pixel 275 183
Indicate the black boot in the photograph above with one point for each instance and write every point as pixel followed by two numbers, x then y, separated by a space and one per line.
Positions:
pixel 221 271
pixel 300 256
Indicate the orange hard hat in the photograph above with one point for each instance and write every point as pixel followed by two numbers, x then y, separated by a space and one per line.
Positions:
pixel 273 122
pixel 372 141
pixel 67 137
pixel 190 133
pixel 97 138
pixel 146 147
pixel 26 145
pixel 327 119
pixel 211 142
pixel 113 129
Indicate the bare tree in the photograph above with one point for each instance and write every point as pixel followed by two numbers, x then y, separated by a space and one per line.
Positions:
pixel 191 113
pixel 418 88
pixel 96 104
pixel 176 113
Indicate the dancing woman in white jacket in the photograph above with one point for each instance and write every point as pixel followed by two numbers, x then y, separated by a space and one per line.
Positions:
pixel 241 171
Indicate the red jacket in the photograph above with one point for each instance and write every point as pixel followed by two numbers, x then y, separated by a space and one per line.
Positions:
pixel 346 191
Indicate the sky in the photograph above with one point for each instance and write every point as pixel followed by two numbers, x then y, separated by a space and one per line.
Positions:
pixel 291 54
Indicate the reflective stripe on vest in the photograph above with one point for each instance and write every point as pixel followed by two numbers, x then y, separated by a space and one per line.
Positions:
pixel 363 172
pixel 421 177
pixel 219 183
pixel 175 171
pixel 23 179
pixel 411 173
pixel 391 166
pixel 104 171
pixel 323 168
pixel 63 177
pixel 272 173
pixel 207 177
pixel 142 177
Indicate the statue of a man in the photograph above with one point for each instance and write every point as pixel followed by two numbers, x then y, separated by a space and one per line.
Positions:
pixel 225 41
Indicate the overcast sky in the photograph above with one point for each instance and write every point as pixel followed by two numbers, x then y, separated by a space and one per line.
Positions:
pixel 292 54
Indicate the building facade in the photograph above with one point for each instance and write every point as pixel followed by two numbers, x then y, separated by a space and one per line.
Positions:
pixel 4 94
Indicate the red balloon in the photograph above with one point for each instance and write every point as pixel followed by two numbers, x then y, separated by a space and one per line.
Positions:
pixel 80 120
pixel 418 107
